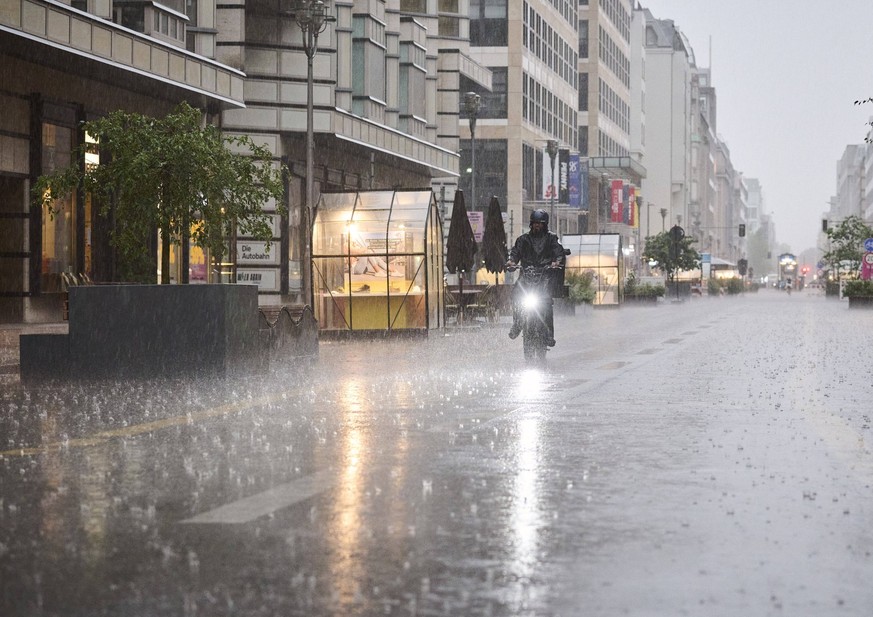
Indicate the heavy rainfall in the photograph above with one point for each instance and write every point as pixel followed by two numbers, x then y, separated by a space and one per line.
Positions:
pixel 704 458
pixel 435 308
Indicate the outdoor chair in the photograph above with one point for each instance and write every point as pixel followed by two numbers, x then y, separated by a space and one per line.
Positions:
pixel 485 306
pixel 451 305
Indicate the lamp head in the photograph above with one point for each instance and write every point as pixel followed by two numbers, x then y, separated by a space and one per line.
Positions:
pixel 552 147
pixel 472 102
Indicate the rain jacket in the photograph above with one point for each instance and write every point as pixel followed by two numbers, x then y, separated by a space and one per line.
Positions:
pixel 533 251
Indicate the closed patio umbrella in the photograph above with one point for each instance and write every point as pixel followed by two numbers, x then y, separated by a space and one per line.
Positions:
pixel 494 251
pixel 461 243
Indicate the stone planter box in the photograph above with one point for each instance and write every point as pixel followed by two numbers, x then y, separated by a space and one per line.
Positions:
pixel 149 331
pixel 861 302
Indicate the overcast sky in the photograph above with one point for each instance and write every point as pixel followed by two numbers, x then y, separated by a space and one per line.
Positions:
pixel 786 76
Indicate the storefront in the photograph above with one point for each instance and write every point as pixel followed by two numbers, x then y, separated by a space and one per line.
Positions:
pixel 59 67
pixel 377 262
pixel 601 254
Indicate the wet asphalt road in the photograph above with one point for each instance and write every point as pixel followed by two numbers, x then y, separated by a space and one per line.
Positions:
pixel 705 458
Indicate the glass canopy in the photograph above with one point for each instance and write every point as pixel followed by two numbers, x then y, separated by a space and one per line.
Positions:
pixel 600 253
pixel 377 261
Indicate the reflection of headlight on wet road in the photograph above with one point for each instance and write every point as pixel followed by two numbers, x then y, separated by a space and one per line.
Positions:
pixel 529 385
pixel 530 301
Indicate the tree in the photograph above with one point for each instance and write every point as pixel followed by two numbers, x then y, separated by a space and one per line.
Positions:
pixel 175 175
pixel 846 242
pixel 658 249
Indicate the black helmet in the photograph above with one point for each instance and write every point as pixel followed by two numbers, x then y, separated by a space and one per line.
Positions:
pixel 539 216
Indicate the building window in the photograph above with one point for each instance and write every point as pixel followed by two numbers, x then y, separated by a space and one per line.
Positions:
pixel 449 26
pixel 528 172
pixel 490 169
pixel 368 59
pixel 413 6
pixel 583 38
pixel 58 227
pixel 583 92
pixel 488 23
pixel 413 72
pixel 132 17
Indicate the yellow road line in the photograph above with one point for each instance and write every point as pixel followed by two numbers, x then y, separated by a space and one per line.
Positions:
pixel 146 427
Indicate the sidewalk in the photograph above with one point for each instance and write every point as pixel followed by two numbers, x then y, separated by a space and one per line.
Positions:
pixel 9 347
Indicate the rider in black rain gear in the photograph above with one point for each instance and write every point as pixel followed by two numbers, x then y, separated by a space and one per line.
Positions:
pixel 538 247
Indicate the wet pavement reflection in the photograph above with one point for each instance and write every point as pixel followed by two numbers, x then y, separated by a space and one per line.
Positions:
pixel 672 460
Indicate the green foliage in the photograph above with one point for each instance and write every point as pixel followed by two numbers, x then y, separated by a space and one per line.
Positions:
pixel 634 289
pixel 714 287
pixel 658 250
pixel 172 174
pixel 847 244
pixel 581 286
pixel 733 286
pixel 858 289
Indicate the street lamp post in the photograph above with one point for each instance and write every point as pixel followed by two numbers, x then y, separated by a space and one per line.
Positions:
pixel 604 208
pixel 312 17
pixel 552 150
pixel 663 219
pixel 472 101
pixel 648 219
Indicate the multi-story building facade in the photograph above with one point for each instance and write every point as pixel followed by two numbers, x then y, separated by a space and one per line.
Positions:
pixel 386 83
pixel 530 50
pixel 731 209
pixel 854 194
pixel 703 196
pixel 670 67
pixel 851 184
pixel 612 111
pixel 61 64
pixel 755 205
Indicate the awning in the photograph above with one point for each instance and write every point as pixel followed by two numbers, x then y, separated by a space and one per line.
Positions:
pixel 617 166
pixel 723 263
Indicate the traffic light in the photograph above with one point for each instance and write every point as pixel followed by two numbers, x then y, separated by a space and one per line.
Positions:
pixel 742 230
pixel 742 266
pixel 824 225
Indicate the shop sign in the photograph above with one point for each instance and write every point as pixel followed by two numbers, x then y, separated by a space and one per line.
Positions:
pixel 267 279
pixel 251 252
pixel 477 222
pixel 867 267
pixel 617 201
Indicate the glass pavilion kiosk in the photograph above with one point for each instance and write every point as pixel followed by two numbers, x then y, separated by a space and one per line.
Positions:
pixel 602 254
pixel 377 262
